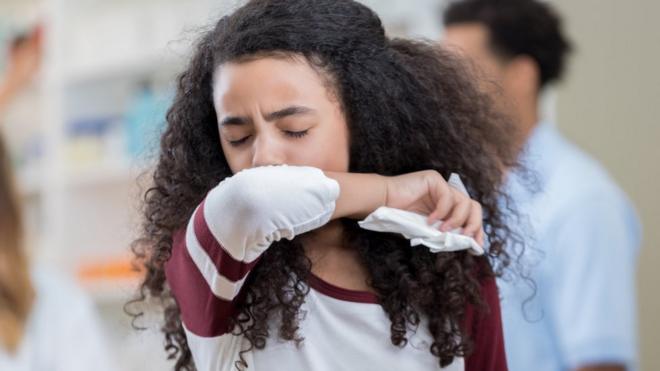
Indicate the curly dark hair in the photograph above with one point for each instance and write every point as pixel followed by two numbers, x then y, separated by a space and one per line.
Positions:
pixel 518 27
pixel 409 106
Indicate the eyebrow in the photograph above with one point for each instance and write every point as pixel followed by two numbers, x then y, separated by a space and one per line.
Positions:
pixel 289 111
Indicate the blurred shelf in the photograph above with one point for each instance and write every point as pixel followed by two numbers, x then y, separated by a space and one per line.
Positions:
pixel 112 290
pixel 108 174
pixel 30 182
pixel 135 68
pixel 99 175
pixel 110 280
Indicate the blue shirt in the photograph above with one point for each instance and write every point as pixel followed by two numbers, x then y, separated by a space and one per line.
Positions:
pixel 582 238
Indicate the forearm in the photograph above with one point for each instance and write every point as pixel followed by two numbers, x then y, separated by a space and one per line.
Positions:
pixel 244 214
pixel 360 194
pixel 6 93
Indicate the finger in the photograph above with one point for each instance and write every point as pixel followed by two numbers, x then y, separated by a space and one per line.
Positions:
pixel 443 197
pixel 459 213
pixel 474 222
pixel 480 237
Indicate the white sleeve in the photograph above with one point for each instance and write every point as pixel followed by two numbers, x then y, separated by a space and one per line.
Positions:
pixel 224 239
pixel 258 206
pixel 228 232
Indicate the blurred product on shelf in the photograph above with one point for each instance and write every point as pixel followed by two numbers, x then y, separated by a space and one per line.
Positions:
pixel 93 141
pixel 145 120
pixel 108 269
pixel 109 280
pixel 115 140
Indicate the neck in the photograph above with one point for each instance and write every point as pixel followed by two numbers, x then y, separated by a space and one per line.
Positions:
pixel 526 116
pixel 332 260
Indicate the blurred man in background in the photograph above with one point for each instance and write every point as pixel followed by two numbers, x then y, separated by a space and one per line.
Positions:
pixel 581 315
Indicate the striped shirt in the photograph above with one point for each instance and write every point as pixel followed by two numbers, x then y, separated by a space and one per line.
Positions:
pixel 342 329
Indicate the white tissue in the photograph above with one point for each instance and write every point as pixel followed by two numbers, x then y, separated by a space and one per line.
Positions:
pixel 414 227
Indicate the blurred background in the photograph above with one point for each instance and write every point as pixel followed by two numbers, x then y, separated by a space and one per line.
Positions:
pixel 85 129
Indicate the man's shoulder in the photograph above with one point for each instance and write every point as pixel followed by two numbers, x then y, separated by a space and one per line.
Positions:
pixel 571 184
pixel 577 175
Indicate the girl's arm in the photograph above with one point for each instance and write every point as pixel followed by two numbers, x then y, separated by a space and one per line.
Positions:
pixel 425 192
pixel 224 240
pixel 227 233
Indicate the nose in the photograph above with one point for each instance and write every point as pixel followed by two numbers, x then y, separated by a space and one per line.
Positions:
pixel 267 152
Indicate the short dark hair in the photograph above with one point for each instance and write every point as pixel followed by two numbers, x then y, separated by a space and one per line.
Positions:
pixel 518 27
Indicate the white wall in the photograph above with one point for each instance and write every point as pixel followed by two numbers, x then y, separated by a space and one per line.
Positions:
pixel 610 105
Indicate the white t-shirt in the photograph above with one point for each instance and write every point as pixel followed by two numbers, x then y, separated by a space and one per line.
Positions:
pixel 342 329
pixel 62 332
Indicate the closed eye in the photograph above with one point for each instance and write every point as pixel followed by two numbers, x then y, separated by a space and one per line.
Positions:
pixel 237 143
pixel 293 134
pixel 296 134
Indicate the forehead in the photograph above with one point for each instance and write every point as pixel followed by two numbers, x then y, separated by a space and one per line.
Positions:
pixel 269 78
pixel 467 38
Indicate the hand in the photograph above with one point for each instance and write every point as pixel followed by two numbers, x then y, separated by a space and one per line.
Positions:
pixel 24 61
pixel 427 193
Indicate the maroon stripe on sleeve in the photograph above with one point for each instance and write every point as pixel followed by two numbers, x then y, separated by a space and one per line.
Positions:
pixel 227 266
pixel 485 329
pixel 202 312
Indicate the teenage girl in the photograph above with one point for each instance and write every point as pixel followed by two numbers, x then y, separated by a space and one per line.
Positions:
pixel 294 120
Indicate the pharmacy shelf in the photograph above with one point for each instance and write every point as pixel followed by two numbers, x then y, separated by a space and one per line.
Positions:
pixel 110 280
pixel 136 68
pixel 30 181
pixel 102 175
pixel 112 290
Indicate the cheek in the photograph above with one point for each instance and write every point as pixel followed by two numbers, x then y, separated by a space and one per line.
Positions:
pixel 236 160
pixel 339 155
pixel 336 140
pixel 333 149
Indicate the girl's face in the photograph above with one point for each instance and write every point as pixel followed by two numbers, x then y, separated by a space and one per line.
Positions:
pixel 274 111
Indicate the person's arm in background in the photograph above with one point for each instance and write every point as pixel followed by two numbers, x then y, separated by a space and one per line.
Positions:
pixel 24 61
pixel 592 301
